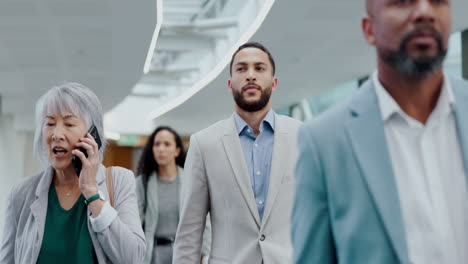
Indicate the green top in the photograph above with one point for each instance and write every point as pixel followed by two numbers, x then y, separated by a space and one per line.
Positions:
pixel 66 236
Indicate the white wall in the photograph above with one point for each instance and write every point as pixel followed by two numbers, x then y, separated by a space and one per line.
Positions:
pixel 16 160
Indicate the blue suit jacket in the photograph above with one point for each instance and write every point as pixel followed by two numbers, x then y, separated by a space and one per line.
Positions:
pixel 347 208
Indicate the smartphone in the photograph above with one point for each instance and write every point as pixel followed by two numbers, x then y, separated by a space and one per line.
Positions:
pixel 77 164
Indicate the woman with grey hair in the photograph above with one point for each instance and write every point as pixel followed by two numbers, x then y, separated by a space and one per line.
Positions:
pixel 63 214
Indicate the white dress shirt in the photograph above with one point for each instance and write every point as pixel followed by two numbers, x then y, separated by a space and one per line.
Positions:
pixel 430 176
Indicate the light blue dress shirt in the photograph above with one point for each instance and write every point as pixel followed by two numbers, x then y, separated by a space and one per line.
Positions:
pixel 258 152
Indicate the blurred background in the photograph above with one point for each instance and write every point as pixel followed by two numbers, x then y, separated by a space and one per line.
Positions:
pixel 154 62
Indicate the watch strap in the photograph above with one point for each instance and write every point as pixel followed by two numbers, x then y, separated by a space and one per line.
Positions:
pixel 92 198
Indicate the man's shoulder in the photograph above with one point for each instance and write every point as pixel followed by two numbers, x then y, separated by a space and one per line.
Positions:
pixel 459 85
pixel 215 130
pixel 330 120
pixel 327 131
pixel 458 80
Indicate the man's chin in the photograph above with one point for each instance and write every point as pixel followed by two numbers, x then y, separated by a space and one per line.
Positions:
pixel 423 56
pixel 428 57
pixel 251 97
pixel 251 101
pixel 251 106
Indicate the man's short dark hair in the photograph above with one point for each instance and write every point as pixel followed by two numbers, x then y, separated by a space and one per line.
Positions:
pixel 253 45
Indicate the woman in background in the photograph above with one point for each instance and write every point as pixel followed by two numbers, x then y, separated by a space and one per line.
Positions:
pixel 160 192
pixel 63 214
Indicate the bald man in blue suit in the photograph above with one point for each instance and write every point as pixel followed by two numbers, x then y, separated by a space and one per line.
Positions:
pixel 382 178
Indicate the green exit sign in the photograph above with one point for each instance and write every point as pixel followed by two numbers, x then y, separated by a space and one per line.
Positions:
pixel 128 140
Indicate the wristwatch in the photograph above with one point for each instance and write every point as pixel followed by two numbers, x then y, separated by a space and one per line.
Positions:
pixel 93 198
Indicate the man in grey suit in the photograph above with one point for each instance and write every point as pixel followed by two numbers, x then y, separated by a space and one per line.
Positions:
pixel 382 178
pixel 240 170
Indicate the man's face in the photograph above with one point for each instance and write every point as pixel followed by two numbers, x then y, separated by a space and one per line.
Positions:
pixel 411 36
pixel 252 80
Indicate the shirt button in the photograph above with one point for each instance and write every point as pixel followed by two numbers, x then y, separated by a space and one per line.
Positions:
pixel 262 237
pixel 260 202
pixel 256 145
pixel 258 173
pixel 248 130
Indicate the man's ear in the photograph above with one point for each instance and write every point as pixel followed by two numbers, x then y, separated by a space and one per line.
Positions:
pixel 368 30
pixel 274 84
pixel 230 85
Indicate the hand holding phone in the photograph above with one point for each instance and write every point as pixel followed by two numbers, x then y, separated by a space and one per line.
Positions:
pixel 76 161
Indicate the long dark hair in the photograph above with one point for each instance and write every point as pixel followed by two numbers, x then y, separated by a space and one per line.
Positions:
pixel 147 164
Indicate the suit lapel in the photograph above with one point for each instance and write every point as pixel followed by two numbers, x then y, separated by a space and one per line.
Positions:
pixel 152 208
pixel 39 208
pixel 366 134
pixel 279 160
pixel 233 149
pixel 460 91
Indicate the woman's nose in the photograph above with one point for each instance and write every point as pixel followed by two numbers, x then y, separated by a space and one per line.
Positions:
pixel 58 133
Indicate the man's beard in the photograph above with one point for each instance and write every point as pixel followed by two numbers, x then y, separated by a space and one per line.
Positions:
pixel 252 106
pixel 402 62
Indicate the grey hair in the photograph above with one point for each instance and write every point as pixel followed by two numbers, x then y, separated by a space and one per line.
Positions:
pixel 68 97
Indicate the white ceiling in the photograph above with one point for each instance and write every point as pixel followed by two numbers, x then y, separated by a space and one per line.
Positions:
pixel 317 45
pixel 100 43
pixel 103 44
pixel 194 39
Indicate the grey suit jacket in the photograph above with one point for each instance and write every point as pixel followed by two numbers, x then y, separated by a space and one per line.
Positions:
pixel 347 208
pixel 152 212
pixel 218 182
pixel 121 242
